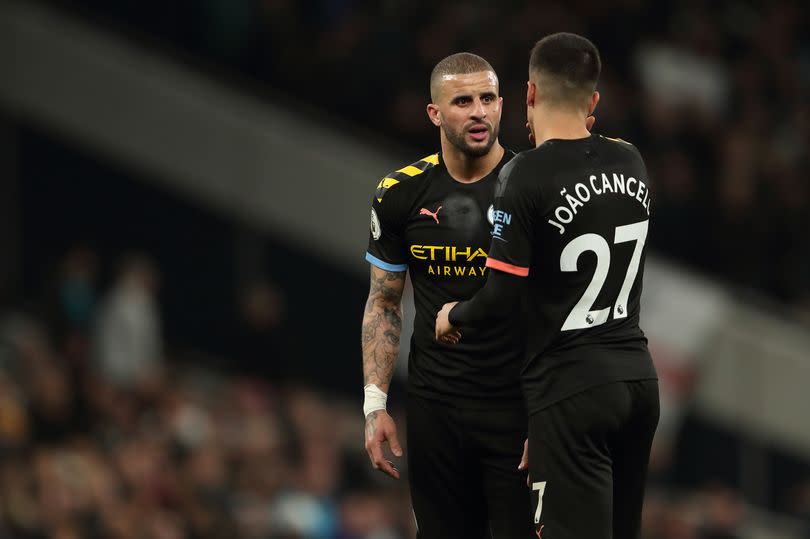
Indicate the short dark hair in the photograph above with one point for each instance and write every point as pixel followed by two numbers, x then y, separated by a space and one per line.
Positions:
pixel 566 68
pixel 461 63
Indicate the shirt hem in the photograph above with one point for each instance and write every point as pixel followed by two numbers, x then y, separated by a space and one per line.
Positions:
pixel 545 403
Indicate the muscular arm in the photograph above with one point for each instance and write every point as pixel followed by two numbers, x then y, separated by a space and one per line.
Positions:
pixel 382 326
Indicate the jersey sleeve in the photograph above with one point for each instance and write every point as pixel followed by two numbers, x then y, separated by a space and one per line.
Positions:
pixel 513 221
pixel 386 246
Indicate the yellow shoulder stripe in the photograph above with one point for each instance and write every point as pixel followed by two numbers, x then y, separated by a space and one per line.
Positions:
pixel 385 183
pixel 383 186
pixel 410 170
pixel 406 172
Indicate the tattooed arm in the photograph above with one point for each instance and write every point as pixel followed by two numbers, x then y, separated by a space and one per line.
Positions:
pixel 382 327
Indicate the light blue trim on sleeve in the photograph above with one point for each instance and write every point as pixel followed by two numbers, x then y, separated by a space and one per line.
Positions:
pixel 385 265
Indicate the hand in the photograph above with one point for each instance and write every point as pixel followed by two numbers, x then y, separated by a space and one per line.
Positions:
pixel 380 427
pixel 445 331
pixel 524 462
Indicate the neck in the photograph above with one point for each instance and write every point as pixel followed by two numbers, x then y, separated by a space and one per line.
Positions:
pixel 557 124
pixel 469 169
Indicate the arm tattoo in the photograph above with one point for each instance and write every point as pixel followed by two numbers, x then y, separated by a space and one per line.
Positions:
pixel 382 326
pixel 371 427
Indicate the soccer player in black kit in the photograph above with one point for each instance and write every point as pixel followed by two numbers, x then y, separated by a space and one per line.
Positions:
pixel 571 223
pixel 466 418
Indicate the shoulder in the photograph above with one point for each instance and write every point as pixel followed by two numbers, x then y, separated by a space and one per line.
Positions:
pixel 619 141
pixel 507 168
pixel 394 181
pixel 520 171
pixel 621 145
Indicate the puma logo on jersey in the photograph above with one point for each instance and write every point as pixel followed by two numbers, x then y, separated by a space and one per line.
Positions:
pixel 435 215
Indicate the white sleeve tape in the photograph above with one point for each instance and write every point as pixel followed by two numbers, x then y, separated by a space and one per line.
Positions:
pixel 375 399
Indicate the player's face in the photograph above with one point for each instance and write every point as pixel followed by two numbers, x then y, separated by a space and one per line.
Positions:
pixel 469 111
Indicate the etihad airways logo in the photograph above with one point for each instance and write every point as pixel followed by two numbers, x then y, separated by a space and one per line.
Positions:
pixel 447 253
pixel 451 261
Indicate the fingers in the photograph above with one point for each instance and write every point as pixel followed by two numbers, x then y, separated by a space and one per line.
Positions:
pixel 393 443
pixel 444 332
pixel 374 450
pixel 451 338
pixel 524 460
pixel 378 461
pixel 388 468
pixel 387 432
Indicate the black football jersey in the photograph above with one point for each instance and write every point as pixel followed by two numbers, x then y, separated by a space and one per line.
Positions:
pixel 438 229
pixel 573 216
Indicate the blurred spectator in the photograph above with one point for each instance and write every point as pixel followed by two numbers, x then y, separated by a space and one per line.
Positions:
pixel 74 311
pixel 77 290
pixel 676 77
pixel 724 514
pixel 129 348
pixel 14 422
pixel 258 342
pixel 53 407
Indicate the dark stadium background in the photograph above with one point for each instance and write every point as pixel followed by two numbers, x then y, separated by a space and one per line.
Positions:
pixel 732 212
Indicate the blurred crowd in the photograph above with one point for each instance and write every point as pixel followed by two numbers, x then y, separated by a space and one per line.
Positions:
pixel 713 93
pixel 105 433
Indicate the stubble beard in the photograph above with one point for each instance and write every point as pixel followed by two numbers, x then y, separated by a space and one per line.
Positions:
pixel 457 139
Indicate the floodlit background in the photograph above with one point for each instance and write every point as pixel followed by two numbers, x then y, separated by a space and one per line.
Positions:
pixel 184 201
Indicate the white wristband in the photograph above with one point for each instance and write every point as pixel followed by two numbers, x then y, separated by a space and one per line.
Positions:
pixel 375 399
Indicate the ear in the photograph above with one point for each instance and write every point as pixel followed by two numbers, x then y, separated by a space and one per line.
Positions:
pixel 434 115
pixel 594 102
pixel 531 93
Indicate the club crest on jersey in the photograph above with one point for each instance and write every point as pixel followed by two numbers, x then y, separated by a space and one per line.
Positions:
pixel 376 230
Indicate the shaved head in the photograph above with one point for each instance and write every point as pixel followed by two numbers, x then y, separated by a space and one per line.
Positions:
pixel 462 63
pixel 565 68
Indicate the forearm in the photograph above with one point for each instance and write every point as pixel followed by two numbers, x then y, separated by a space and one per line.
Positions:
pixel 382 328
pixel 498 298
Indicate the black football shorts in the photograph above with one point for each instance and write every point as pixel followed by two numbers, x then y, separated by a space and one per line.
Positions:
pixel 462 467
pixel 588 457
